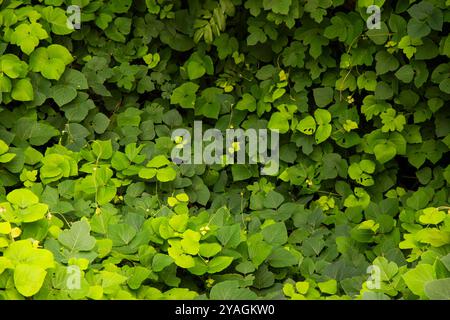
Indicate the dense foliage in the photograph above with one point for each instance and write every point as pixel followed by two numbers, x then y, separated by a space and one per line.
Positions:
pixel 86 180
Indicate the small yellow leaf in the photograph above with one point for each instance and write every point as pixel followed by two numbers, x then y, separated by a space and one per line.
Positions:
pixel 178 139
pixel 183 197
pixel 172 201
pixel 228 88
pixel 302 287
pixel 282 75
pixel 15 232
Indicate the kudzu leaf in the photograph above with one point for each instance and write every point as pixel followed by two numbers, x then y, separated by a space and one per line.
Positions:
pixel 385 152
pixel 12 66
pixel 416 278
pixel 230 289
pixel 438 289
pixel 281 6
pixel 323 96
pixel 121 234
pixel 329 287
pixel 209 249
pixel 229 236
pixel 78 237
pixel 279 121
pixel 22 90
pixel 275 234
pixel 248 102
pixel 323 132
pixel 22 197
pixel 307 125
pixel 166 174
pixel 63 94
pixel 281 258
pixel 29 279
pixel 273 200
pixel 218 264
pixel 100 123
pixel 160 261
pixel 184 95
pixel 322 117
pixel 405 74
pixel 195 70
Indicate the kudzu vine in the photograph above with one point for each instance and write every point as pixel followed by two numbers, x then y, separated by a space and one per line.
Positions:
pixel 92 206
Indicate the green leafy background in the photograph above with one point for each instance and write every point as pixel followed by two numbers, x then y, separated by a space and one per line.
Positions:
pixel 85 138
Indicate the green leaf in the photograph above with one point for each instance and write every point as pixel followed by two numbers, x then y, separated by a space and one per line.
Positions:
pixel 190 242
pixel 281 258
pixel 385 62
pixel 248 102
pixel 78 237
pixel 323 96
pixel 432 216
pixel 279 121
pixel 445 86
pixel 121 234
pixel 433 236
pixel 307 125
pixel 240 172
pixel 5 83
pixel 210 103
pixel 184 95
pixel 158 162
pixel 179 222
pixel 388 268
pixel 275 234
pixel 75 78
pixel 416 278
pixel 27 36
pixel 218 264
pixel 208 250
pixel 438 289
pixel 147 173
pixel 182 260
pixel 12 66
pixel 63 94
pixel 230 290
pixel 50 61
pixel 161 261
pixel 385 152
pixel 23 252
pixel 139 275
pixel 22 197
pixel 277 6
pixel 418 29
pixel 229 236
pixel 322 116
pixel 379 36
pixel 419 199
pixel 29 279
pixel 273 200
pixel 100 123
pixel 329 287
pixel 195 70
pixel 102 149
pixel 258 250
pixel 405 73
pixel 166 174
pixel 302 287
pixel 33 213
pixel 383 91
pixel 323 132
pixel 23 90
